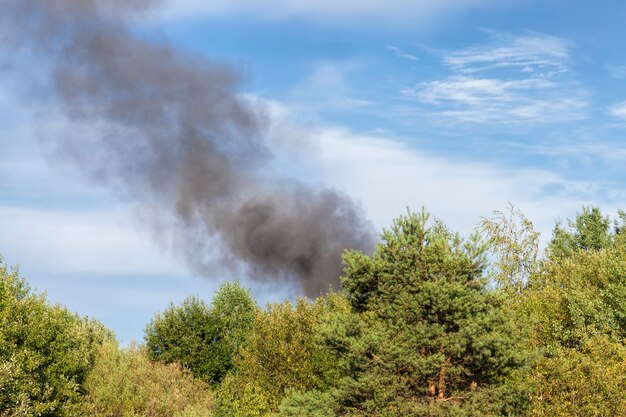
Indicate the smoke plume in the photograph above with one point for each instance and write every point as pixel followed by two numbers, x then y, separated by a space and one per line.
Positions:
pixel 172 131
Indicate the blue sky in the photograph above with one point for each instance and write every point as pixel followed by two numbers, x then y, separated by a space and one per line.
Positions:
pixel 460 106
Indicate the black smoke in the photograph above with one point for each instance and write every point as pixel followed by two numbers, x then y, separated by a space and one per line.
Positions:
pixel 171 131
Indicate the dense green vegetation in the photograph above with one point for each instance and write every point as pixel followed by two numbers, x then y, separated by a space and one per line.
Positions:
pixel 428 325
pixel 203 339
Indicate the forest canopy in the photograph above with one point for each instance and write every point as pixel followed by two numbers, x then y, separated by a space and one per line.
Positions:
pixel 428 324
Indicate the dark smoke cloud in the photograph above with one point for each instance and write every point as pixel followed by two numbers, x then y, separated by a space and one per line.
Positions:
pixel 171 131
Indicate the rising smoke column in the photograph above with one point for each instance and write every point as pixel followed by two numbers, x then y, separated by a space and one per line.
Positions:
pixel 171 131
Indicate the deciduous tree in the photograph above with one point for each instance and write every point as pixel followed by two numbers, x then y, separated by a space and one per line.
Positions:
pixel 203 338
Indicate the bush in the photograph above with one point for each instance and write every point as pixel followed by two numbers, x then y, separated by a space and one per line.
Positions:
pixel 126 383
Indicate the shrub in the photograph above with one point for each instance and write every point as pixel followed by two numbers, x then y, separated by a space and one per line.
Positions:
pixel 126 383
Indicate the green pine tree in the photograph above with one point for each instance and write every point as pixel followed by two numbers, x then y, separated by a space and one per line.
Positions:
pixel 431 337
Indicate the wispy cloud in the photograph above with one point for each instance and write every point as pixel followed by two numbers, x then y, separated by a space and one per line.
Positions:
pixel 618 110
pixel 511 79
pixel 401 54
pixel 387 174
pixel 533 54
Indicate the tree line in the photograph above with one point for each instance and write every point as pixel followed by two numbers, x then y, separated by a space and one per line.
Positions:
pixel 429 324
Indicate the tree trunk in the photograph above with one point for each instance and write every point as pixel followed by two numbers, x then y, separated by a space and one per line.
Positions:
pixel 441 389
pixel 431 388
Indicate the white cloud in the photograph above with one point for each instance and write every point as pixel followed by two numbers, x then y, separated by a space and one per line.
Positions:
pixel 80 241
pixel 408 10
pixel 511 79
pixel 387 176
pixel 535 53
pixel 618 110
pixel 402 54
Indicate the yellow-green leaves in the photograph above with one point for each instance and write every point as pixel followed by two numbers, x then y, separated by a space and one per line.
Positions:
pixel 585 382
pixel 281 353
pixel 515 242
pixel 126 383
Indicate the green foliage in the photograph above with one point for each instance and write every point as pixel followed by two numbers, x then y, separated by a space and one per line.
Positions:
pixel 186 334
pixel 419 330
pixel 576 307
pixel 233 308
pixel 591 230
pixel 514 241
pixel 509 399
pixel 203 339
pixel 46 352
pixel 126 383
pixel 280 354
pixel 307 404
pixel 585 382
pixel 577 297
pixel 429 331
